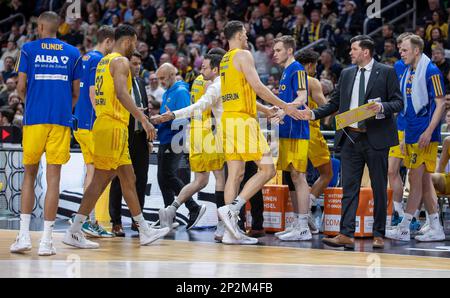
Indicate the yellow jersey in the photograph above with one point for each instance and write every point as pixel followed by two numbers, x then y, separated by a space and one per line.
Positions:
pixel 106 102
pixel 237 94
pixel 197 91
pixel 312 105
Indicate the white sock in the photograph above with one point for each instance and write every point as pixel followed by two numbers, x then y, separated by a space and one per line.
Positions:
pixel 176 204
pixel 427 218
pixel 406 221
pixel 434 221
pixel 25 224
pixel 48 230
pixel 416 214
pixel 398 206
pixel 140 220
pixel 303 220
pixel 237 204
pixel 312 200
pixel 77 223
pixel 92 216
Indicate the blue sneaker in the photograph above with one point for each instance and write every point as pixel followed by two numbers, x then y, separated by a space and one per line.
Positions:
pixel 95 230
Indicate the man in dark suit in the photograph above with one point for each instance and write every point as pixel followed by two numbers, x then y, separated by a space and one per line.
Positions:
pixel 366 142
pixel 139 151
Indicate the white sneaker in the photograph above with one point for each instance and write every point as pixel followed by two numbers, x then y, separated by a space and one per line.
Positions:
pixel 220 230
pixel 228 238
pixel 288 229
pixel 79 240
pixel 156 225
pixel 312 225
pixel 230 219
pixel 147 236
pixel 399 233
pixel 46 248
pixel 432 235
pixel 175 225
pixel 424 229
pixel 297 234
pixel 22 244
pixel 167 216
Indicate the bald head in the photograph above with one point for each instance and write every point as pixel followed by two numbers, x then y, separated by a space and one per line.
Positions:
pixel 48 23
pixel 166 75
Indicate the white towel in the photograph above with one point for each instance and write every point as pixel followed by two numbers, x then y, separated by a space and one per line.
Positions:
pixel 419 85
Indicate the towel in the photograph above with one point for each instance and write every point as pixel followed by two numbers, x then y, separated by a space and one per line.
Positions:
pixel 419 85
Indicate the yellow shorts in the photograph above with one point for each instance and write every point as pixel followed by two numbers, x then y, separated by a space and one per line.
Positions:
pixel 395 151
pixel 85 138
pixel 110 144
pixel 446 177
pixel 295 152
pixel 415 157
pixel 318 152
pixel 52 139
pixel 242 137
pixel 205 154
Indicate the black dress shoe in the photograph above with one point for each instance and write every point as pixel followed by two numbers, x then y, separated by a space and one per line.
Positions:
pixel 194 216
pixel 134 227
pixel 118 231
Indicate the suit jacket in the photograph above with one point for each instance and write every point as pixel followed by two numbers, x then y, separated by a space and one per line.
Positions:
pixel 144 99
pixel 383 83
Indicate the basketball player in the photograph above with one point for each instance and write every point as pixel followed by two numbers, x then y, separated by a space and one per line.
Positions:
pixel 85 117
pixel 242 138
pixel 49 82
pixel 113 105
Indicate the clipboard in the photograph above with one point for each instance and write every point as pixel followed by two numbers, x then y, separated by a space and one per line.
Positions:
pixel 354 115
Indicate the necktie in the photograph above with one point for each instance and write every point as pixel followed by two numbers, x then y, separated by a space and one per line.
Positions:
pixel 138 100
pixel 362 94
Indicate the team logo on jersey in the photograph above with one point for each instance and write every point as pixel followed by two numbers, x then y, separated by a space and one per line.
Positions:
pixel 46 59
pixel 86 57
pixel 64 59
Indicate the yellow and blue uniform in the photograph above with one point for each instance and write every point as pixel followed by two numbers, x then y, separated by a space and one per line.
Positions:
pixel 395 151
pixel 242 137
pixel 417 124
pixel 51 66
pixel 294 134
pixel 203 154
pixel 110 130
pixel 84 111
pixel 318 152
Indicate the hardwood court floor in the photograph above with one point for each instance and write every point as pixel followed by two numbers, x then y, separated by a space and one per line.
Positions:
pixel 122 257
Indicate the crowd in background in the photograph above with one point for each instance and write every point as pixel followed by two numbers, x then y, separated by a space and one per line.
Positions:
pixel 181 32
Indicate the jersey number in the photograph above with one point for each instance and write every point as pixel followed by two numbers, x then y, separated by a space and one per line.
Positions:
pixel 98 86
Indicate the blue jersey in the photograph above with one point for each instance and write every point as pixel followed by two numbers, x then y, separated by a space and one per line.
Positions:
pixel 84 111
pixel 400 68
pixel 294 78
pixel 51 66
pixel 417 124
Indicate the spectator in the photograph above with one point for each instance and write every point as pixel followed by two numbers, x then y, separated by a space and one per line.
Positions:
pixel 11 51
pixel 168 35
pixel 438 57
pixel 148 60
pixel 300 30
pixel 186 71
pixel 445 127
pixel 328 63
pixel 171 50
pixel 198 40
pixel 8 68
pixel 317 29
pixel 148 10
pixel 127 15
pixel 10 89
pixel 278 20
pixel 437 22
pixel 262 60
pixel 6 116
pixel 182 47
pixel 160 17
pixel 112 10
pixel 328 16
pixel 350 23
pixel 153 106
pixel 266 26
pixel 139 19
pixel 154 38
pixel 210 32
pixel 153 89
pixel 183 23
pixel 390 55
pixel 203 17
pixel 165 58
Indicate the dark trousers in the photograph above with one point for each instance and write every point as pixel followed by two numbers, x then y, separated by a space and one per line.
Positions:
pixel 353 158
pixel 168 180
pixel 139 155
pixel 256 202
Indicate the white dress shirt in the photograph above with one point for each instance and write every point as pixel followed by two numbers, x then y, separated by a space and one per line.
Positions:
pixel 211 99
pixel 355 92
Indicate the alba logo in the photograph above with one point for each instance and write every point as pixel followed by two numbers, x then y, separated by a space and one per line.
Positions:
pixel 64 59
pixel 46 59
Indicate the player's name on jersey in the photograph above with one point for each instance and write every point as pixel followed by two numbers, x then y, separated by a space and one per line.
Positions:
pixel 230 96
pixel 52 46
